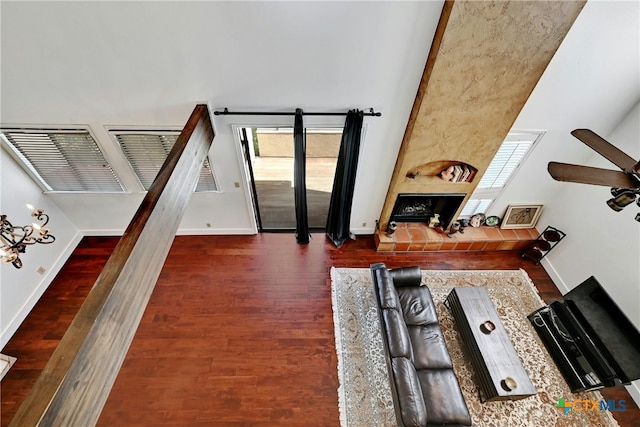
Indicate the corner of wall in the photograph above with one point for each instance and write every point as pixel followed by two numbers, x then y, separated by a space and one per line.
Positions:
pixel 555 276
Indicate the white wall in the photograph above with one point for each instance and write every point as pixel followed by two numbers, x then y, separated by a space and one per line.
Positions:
pixel 21 288
pixel 562 102
pixel 603 242
pixel 581 89
pixel 148 63
pixel 600 241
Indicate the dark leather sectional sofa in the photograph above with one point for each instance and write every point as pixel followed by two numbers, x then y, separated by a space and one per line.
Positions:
pixel 425 389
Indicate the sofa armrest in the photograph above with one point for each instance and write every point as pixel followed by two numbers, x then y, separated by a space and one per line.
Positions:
pixel 410 396
pixel 388 295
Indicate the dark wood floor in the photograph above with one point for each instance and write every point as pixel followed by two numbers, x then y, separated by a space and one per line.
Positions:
pixel 238 331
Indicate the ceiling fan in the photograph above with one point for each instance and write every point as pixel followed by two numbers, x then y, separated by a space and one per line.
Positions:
pixel 625 184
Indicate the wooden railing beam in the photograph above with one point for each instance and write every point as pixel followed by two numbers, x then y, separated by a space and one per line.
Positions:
pixel 76 382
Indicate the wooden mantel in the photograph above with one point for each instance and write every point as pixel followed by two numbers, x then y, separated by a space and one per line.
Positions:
pixel 485 61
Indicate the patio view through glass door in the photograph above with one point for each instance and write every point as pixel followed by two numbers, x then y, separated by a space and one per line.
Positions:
pixel 271 154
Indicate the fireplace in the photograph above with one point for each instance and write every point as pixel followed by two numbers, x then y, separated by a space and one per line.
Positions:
pixel 421 207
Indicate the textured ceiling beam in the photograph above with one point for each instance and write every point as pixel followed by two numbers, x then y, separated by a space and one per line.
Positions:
pixel 485 61
pixel 76 382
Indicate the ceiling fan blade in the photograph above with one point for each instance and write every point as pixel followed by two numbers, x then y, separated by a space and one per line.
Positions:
pixel 606 149
pixel 590 175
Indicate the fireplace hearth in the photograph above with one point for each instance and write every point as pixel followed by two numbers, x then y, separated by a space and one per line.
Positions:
pixel 421 207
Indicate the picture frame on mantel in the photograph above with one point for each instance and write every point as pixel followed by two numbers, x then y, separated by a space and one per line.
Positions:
pixel 521 216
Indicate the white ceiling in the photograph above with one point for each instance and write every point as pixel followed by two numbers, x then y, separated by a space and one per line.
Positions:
pixel 594 78
pixel 148 63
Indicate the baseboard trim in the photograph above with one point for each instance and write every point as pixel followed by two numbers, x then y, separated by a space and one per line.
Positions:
pixel 102 232
pixel 214 231
pixel 51 274
pixel 555 276
pixel 180 232
pixel 363 230
pixel 634 391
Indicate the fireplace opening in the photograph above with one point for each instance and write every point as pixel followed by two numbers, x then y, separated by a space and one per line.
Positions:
pixel 421 207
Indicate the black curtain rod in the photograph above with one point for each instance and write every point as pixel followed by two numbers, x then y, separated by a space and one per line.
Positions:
pixel 226 112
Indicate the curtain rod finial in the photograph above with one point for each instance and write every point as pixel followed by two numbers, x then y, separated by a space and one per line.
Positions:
pixel 225 111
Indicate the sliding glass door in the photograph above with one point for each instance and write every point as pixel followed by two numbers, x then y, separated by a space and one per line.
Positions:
pixel 270 162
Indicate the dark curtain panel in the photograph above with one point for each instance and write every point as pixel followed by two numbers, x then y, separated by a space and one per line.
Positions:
pixel 344 181
pixel 299 179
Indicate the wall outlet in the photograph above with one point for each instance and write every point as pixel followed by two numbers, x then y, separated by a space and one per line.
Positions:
pixel 209 225
pixel 364 224
pixel 236 184
pixel 41 270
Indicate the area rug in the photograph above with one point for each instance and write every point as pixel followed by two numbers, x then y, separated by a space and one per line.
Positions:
pixel 365 396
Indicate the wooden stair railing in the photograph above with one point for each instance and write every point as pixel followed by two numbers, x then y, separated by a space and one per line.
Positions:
pixel 74 386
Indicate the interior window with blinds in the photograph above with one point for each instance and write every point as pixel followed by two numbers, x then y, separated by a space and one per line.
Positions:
pixel 146 151
pixel 510 155
pixel 62 160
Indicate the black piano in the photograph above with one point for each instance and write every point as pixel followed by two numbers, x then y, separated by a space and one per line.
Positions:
pixel 592 342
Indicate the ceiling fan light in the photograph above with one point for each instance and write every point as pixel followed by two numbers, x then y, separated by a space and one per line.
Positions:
pixel 615 192
pixel 623 199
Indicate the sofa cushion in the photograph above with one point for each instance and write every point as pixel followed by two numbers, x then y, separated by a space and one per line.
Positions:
pixel 429 348
pixel 417 305
pixel 397 334
pixel 443 398
pixel 410 396
pixel 406 276
pixel 386 290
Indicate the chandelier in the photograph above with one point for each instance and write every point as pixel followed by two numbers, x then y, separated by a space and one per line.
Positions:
pixel 15 239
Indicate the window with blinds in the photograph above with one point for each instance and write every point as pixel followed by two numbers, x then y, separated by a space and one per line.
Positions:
pixel 146 151
pixel 62 160
pixel 510 155
pixel 475 206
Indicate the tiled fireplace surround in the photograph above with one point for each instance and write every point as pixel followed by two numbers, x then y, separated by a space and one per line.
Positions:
pixel 416 236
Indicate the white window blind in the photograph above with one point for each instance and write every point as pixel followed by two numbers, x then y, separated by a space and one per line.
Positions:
pixel 504 163
pixel 146 152
pixel 475 206
pixel 510 155
pixel 62 160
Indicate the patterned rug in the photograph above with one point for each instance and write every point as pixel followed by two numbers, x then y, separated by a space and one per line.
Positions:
pixel 364 394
